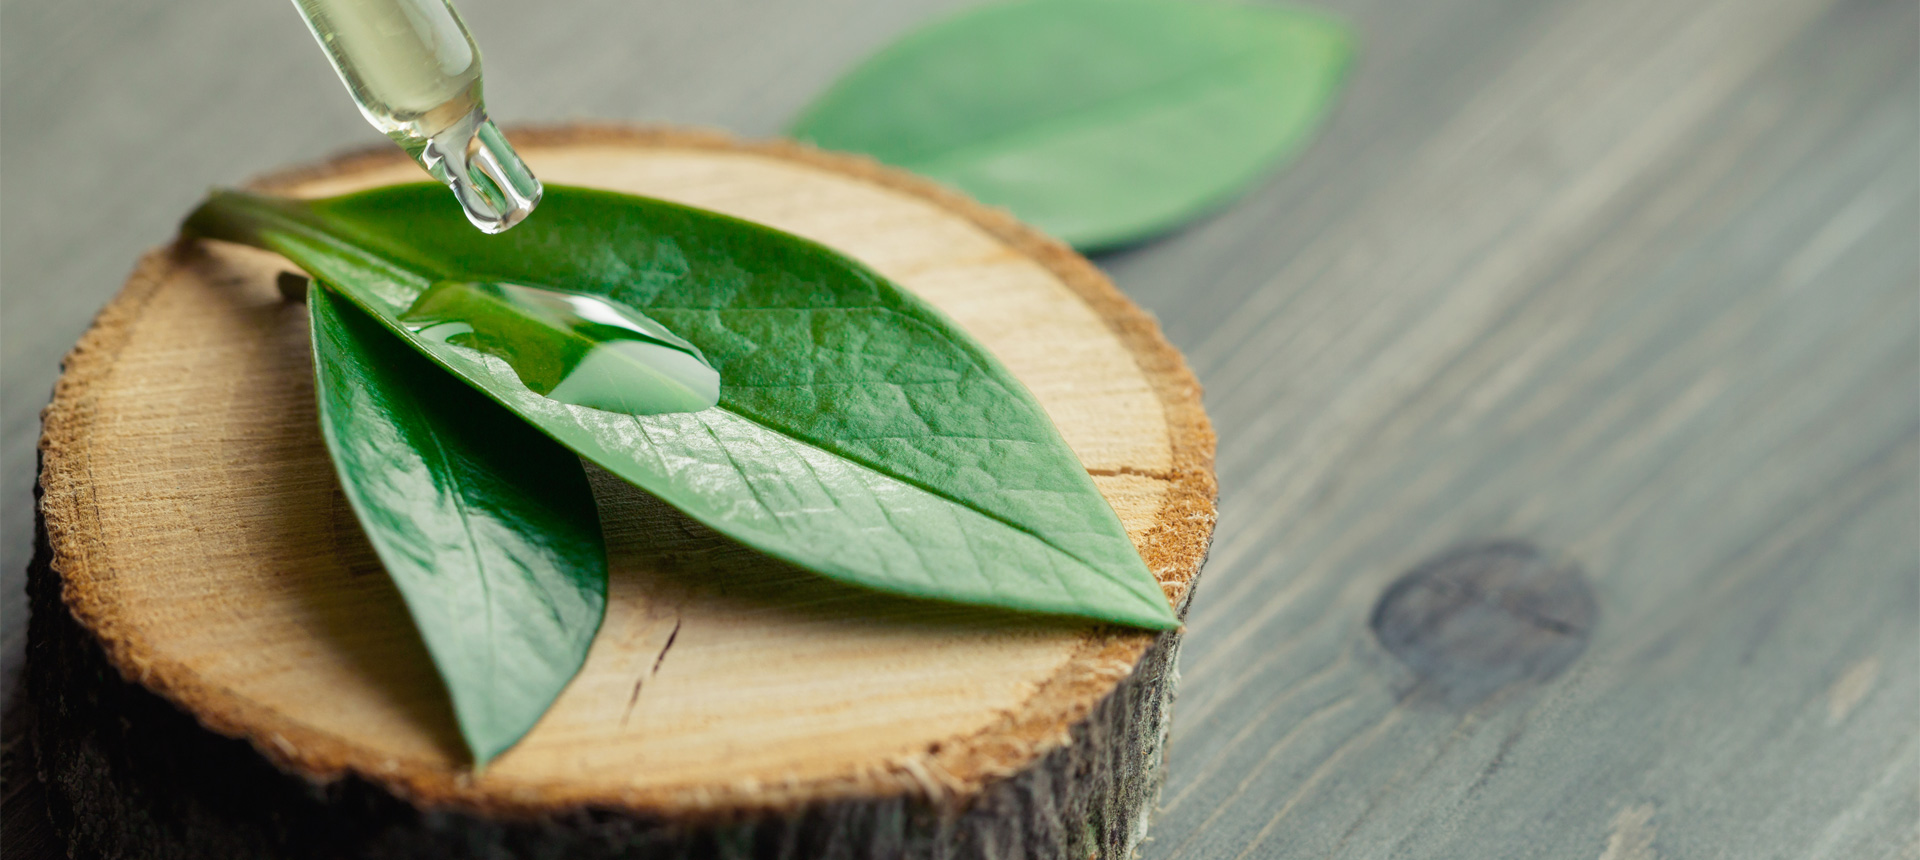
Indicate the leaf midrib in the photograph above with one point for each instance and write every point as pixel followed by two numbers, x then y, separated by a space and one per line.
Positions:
pixel 479 564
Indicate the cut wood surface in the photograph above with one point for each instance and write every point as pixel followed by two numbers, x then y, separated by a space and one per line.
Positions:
pixel 200 533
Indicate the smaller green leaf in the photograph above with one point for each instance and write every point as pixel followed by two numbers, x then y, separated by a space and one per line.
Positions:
pixel 1099 121
pixel 487 527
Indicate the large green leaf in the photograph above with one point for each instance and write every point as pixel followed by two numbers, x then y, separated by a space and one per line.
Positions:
pixel 1099 121
pixel 487 527
pixel 860 433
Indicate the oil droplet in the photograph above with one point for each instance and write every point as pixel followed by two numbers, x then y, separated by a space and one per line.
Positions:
pixel 573 347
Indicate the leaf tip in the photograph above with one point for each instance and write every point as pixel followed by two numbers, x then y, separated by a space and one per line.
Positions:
pixel 486 741
pixel 1150 613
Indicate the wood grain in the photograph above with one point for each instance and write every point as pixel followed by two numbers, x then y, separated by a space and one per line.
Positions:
pixel 1647 301
pixel 1633 282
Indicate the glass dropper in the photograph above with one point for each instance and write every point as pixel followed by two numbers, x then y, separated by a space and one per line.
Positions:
pixel 415 73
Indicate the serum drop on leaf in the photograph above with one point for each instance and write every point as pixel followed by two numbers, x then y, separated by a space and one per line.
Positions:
pixel 572 347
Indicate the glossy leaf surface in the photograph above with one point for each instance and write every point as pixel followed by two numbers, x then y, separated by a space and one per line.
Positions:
pixel 1100 121
pixel 487 527
pixel 859 432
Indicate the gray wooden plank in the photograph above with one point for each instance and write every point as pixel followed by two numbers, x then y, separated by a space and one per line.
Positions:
pixel 1632 281
pixel 1658 320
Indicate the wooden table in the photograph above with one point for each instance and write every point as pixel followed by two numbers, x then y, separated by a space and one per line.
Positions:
pixel 1568 390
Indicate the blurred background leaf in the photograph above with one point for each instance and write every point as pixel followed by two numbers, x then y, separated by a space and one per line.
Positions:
pixel 1102 122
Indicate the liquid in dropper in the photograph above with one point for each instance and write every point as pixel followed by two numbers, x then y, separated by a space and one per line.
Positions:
pixel 575 348
pixel 415 73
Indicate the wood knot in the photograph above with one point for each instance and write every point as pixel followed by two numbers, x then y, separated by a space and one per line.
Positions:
pixel 1482 617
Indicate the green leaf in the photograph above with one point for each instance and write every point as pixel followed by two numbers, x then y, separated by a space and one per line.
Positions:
pixel 1099 121
pixel 487 527
pixel 860 433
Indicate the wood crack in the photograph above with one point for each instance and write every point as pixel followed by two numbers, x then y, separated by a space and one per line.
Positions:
pixel 1131 471
pixel 655 670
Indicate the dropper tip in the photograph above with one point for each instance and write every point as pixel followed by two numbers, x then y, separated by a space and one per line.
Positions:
pixel 509 216
pixel 495 187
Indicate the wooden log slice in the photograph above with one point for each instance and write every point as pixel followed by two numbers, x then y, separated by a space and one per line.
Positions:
pixel 267 695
